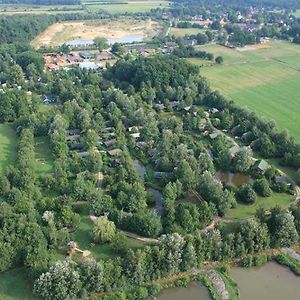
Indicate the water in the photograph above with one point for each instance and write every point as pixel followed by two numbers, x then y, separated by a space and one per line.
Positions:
pixel 134 38
pixel 141 170
pixel 268 282
pixel 158 201
pixel 236 179
pixel 194 291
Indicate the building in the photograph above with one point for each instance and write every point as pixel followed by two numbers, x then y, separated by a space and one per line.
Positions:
pixel 189 42
pixel 214 135
pixel 109 143
pixel 89 65
pixel 105 55
pixel 87 54
pixel 261 166
pixel 78 43
pixel 114 152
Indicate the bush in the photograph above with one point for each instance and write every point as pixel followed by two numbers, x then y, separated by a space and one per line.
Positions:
pixel 246 194
pixel 262 187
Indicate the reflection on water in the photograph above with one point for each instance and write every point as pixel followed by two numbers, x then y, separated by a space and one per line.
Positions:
pixel 127 39
pixel 268 282
pixel 158 201
pixel 141 170
pixel 194 291
pixel 236 179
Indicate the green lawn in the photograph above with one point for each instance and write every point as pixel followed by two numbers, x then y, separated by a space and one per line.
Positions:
pixel 180 32
pixel 83 237
pixel 43 156
pixel 15 285
pixel 265 80
pixel 244 211
pixel 8 145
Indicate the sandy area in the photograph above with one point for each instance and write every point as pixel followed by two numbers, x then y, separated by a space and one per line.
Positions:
pixel 62 32
pixel 253 47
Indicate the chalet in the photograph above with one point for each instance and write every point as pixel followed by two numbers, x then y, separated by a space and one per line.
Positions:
pixel 114 152
pixel 214 135
pixel 109 143
pixel 152 152
pixel 76 146
pixel 282 180
pixel 135 135
pixel 141 145
pixel 261 166
pixel 73 131
pixel 105 55
pixel 160 175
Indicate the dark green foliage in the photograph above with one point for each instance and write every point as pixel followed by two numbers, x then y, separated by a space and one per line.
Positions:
pixel 246 194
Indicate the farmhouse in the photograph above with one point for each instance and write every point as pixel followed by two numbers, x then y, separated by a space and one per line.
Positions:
pixel 114 152
pixel 87 54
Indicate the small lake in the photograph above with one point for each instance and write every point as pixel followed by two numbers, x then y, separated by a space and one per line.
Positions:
pixel 158 201
pixel 194 291
pixel 269 282
pixel 134 38
pixel 236 179
pixel 141 170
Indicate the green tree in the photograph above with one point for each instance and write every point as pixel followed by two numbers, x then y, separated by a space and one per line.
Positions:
pixel 246 194
pixel 101 43
pixel 219 60
pixel 104 230
pixel 262 187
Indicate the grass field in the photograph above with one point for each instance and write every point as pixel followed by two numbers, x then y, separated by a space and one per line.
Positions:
pixel 297 13
pixel 63 32
pixel 244 211
pixel 264 78
pixel 181 32
pixel 15 285
pixel 43 156
pixel 8 144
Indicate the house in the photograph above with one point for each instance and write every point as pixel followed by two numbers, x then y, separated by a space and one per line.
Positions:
pixel 74 137
pixel 77 43
pixel 87 54
pixel 187 108
pixel 114 152
pixel 214 135
pixel 105 55
pixel 189 42
pixel 175 104
pixel 89 65
pixel 76 146
pixel 170 44
pixel 73 131
pixel 261 166
pixel 283 179
pixel 160 106
pixel 135 135
pixel 141 145
pixel 109 143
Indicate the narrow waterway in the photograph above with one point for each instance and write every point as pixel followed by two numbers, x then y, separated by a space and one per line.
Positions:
pixel 269 282
pixel 194 291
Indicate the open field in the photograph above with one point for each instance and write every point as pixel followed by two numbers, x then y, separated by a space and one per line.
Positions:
pixel 11 9
pixel 244 211
pixel 125 7
pixel 181 32
pixel 15 285
pixel 62 32
pixel 43 156
pixel 265 78
pixel 8 144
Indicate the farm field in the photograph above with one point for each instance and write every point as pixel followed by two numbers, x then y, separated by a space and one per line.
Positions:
pixel 15 285
pixel 264 78
pixel 127 6
pixel 11 9
pixel 62 32
pixel 8 144
pixel 243 211
pixel 181 32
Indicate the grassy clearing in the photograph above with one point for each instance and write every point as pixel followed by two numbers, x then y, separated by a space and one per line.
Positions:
pixel 83 237
pixel 297 13
pixel 243 211
pixel 8 144
pixel 43 156
pixel 263 78
pixel 181 32
pixel 15 285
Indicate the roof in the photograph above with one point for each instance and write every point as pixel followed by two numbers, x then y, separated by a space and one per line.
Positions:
pixel 141 145
pixel 261 165
pixel 282 179
pixel 114 152
pixel 109 143
pixel 214 135
pixel 88 65
pixel 135 135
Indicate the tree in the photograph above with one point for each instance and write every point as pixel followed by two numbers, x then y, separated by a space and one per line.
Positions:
pixel 101 43
pixel 117 49
pixel 219 60
pixel 60 282
pixel 120 244
pixel 246 194
pixel 104 230
pixel 262 187
pixel 242 160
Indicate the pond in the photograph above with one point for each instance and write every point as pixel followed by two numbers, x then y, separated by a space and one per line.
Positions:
pixel 133 38
pixel 141 170
pixel 269 282
pixel 236 179
pixel 158 201
pixel 194 291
